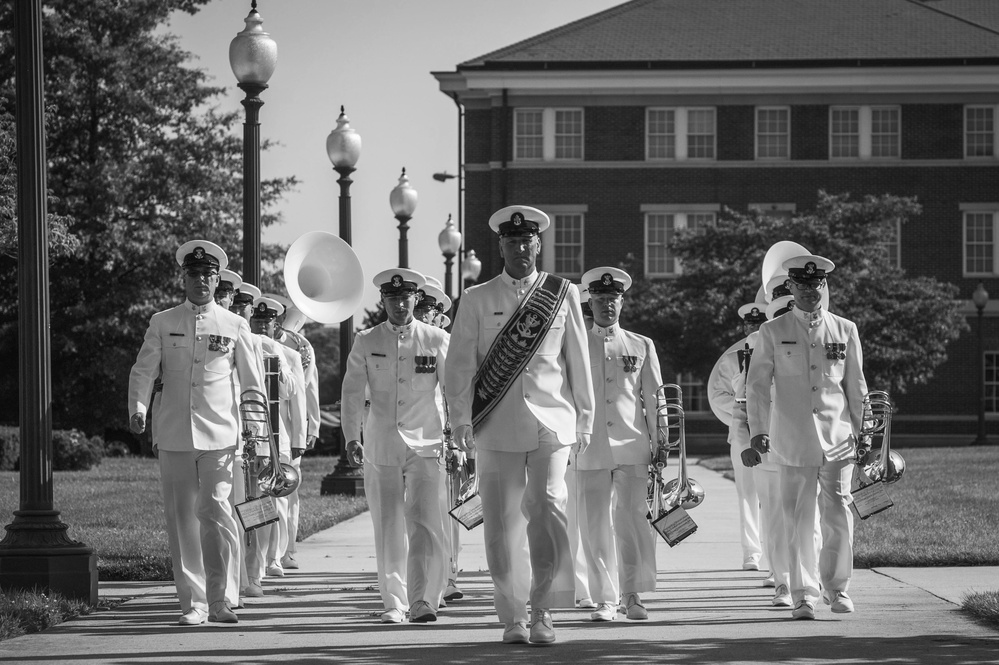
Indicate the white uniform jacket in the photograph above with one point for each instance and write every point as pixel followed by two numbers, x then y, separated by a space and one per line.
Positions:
pixel 727 384
pixel 625 370
pixel 554 388
pixel 815 364
pixel 203 354
pixel 297 342
pixel 401 366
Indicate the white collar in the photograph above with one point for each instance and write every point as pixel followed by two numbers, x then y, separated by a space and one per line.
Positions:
pixel 609 331
pixel 809 318
pixel 199 309
pixel 401 329
pixel 519 283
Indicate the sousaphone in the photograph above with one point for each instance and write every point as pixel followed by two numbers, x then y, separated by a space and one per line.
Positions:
pixel 323 276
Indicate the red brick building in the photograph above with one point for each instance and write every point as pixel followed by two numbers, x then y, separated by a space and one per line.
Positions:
pixel 656 114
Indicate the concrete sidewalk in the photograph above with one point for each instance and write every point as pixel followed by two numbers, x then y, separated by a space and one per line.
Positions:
pixel 706 610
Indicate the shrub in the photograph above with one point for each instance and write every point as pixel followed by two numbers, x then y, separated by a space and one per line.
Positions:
pixel 10 448
pixel 73 451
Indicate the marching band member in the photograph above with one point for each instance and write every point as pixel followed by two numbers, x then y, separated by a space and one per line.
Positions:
pixel 529 398
pixel 614 471
pixel 432 303
pixel 288 333
pixel 401 362
pixel 728 393
pixel 292 419
pixel 577 525
pixel 202 353
pixel 813 361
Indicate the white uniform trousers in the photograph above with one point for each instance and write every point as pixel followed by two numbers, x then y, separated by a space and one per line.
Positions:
pixel 773 534
pixel 409 530
pixel 277 534
pixel 749 507
pixel 577 532
pixel 293 511
pixel 526 528
pixel 450 533
pixel 200 526
pixel 832 564
pixel 621 547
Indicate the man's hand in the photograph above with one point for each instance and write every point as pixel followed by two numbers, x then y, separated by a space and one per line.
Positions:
pixel 137 423
pixel 355 453
pixel 310 442
pixel 761 443
pixel 582 442
pixel 297 452
pixel 750 457
pixel 464 438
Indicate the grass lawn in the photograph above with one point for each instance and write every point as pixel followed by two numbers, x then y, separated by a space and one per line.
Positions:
pixel 946 511
pixel 117 509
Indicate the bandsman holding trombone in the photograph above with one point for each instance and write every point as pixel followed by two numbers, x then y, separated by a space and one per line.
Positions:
pixel 613 472
pixel 203 354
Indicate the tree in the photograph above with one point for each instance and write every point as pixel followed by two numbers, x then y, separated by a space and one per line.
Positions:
pixel 905 322
pixel 140 161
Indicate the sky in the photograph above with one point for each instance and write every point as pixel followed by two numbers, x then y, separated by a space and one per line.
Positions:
pixel 374 57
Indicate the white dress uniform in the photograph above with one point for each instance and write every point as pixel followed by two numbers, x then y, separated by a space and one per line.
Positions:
pixel 401 366
pixel 522 446
pixel 198 351
pixel 614 469
pixel 814 363
pixel 759 493
pixel 299 343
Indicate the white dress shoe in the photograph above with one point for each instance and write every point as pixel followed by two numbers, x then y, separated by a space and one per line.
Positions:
pixel 770 581
pixel 803 610
pixel 452 592
pixel 392 616
pixel 516 633
pixel 604 612
pixel 586 603
pixel 193 617
pixel 274 569
pixel 542 630
pixel 782 597
pixel 841 603
pixel 288 562
pixel 633 607
pixel 220 613
pixel 252 590
pixel 421 612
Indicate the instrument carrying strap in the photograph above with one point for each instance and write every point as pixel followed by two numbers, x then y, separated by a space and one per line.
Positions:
pixel 516 343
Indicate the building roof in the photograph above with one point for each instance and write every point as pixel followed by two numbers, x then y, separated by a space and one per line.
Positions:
pixel 713 33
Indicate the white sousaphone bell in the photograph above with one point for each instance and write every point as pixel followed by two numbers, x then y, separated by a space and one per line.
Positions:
pixel 774 260
pixel 324 278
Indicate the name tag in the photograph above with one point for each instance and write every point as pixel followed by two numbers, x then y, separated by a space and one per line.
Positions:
pixel 787 342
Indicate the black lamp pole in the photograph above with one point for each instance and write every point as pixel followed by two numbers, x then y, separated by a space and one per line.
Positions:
pixel 251 181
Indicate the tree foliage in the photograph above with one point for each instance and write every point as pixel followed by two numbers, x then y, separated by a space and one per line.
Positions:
pixel 140 160
pixel 905 323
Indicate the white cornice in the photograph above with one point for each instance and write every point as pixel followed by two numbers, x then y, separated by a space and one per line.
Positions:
pixel 891 80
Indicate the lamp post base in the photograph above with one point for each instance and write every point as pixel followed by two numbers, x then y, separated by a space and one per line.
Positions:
pixel 345 479
pixel 37 553
pixel 981 440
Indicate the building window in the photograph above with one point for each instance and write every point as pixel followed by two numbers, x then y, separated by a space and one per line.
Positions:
pixel 979 131
pixel 979 242
pixel 773 210
pixel 695 395
pixel 773 133
pixel 680 133
pixel 562 241
pixel 547 134
pixel 991 360
pixel 892 244
pixel 568 245
pixel 863 132
pixel 661 226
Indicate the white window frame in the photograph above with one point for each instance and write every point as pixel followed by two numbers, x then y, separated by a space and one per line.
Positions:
pixel 689 387
pixel 995 131
pixel 548 134
pixel 548 244
pixel 681 214
pixel 681 135
pixel 988 209
pixel 991 396
pixel 864 132
pixel 787 134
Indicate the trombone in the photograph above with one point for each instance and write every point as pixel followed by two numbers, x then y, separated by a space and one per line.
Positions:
pixel 278 478
pixel 456 475
pixel 886 465
pixel 683 490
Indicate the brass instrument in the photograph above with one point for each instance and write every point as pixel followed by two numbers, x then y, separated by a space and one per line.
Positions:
pixel 886 465
pixel 324 278
pixel 259 415
pixel 683 490
pixel 457 474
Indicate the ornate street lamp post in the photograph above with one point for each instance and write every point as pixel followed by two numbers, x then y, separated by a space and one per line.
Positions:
pixel 343 146
pixel 253 57
pixel 403 202
pixel 449 241
pixel 981 298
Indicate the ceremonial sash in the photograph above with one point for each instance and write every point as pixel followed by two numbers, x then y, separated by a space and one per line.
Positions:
pixel 516 344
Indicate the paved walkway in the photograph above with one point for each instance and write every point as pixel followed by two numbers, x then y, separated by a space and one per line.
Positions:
pixel 707 610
